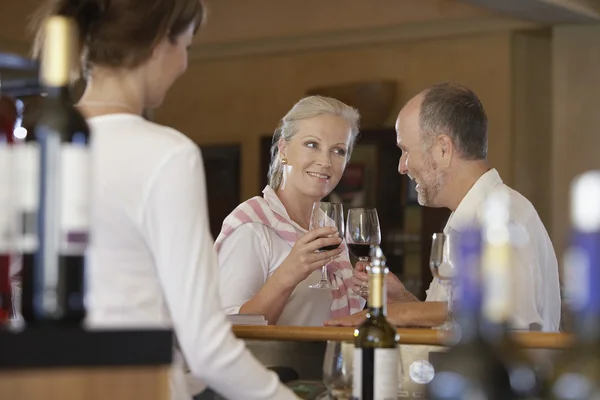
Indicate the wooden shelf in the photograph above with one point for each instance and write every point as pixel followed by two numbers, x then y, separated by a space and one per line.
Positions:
pixel 73 363
pixel 18 75
pixel 407 335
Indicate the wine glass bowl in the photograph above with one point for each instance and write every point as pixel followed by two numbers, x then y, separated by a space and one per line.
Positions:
pixel 337 369
pixel 362 231
pixel 444 270
pixel 326 214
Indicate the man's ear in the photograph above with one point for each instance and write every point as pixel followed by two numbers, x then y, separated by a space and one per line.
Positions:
pixel 446 149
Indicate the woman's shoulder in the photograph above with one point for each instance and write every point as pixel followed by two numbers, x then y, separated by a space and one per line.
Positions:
pixel 133 130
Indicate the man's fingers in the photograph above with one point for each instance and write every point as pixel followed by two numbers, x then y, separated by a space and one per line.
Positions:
pixel 351 320
pixel 361 266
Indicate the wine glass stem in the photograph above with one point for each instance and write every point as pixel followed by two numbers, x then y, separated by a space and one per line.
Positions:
pixel 450 290
pixel 324 273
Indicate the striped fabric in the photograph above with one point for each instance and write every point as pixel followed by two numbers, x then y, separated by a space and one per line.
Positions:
pixel 339 271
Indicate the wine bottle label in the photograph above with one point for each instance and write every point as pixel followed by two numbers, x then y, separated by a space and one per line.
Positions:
pixel 496 282
pixel 74 205
pixel 580 276
pixel 375 374
pixel 7 193
pixel 27 175
pixel 468 280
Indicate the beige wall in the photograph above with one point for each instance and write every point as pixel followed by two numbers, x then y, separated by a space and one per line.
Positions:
pixel 576 116
pixel 238 100
pixel 532 119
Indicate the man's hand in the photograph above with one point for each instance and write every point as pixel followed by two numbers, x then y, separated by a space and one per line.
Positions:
pixel 396 291
pixel 351 320
pixel 410 314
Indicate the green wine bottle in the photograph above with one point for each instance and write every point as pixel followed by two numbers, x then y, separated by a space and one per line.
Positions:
pixel 376 341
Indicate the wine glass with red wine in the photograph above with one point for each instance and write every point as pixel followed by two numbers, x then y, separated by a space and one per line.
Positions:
pixel 362 231
pixel 327 214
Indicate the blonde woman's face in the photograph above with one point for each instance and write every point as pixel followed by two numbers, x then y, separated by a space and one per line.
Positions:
pixel 316 155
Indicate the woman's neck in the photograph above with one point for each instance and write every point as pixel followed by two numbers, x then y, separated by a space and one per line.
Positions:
pixel 298 207
pixel 110 93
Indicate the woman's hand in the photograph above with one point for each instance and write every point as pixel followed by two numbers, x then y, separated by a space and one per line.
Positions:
pixel 304 258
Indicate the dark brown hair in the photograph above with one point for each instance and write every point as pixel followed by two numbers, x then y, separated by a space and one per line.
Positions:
pixel 121 33
pixel 455 110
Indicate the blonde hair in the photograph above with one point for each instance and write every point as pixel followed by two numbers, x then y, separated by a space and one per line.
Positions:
pixel 308 107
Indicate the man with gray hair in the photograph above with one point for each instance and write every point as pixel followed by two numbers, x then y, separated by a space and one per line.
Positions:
pixel 442 133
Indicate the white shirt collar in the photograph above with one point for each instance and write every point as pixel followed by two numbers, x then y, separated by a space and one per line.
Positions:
pixel 466 211
pixel 277 206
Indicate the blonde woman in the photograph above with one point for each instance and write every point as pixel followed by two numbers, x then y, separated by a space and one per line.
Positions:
pixel 267 256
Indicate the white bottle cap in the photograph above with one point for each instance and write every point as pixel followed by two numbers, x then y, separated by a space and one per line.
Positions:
pixel 585 201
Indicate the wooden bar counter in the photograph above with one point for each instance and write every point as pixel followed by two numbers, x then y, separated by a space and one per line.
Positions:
pixel 418 336
pixel 72 363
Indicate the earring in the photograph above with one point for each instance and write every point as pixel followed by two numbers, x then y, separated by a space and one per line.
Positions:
pixel 283 160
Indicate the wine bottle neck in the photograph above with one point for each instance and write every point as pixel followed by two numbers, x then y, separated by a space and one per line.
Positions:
pixel 377 299
pixel 588 327
pixel 59 52
pixel 58 93
pixel 376 312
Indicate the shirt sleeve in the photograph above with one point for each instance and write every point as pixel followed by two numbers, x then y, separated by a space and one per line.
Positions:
pixel 175 223
pixel 243 265
pixel 526 283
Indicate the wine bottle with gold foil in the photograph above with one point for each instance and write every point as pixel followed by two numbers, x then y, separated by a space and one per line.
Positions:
pixel 471 369
pixel 577 371
pixel 56 167
pixel 500 243
pixel 375 374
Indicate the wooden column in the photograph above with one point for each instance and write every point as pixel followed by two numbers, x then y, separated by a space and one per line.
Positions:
pixel 576 117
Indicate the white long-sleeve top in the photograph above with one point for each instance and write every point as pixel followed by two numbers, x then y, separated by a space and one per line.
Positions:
pixel 152 262
pixel 536 293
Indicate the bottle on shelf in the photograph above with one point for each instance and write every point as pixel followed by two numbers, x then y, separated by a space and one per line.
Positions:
pixel 54 206
pixel 577 371
pixel 8 119
pixel 375 368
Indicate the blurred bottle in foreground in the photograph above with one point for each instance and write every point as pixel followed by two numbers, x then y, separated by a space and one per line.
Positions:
pixel 500 241
pixel 471 369
pixel 56 211
pixel 8 119
pixel 577 371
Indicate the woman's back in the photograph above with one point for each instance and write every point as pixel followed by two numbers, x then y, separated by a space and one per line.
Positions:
pixel 130 155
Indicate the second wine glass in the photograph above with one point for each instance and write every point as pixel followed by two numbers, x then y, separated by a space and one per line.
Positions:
pixel 327 214
pixel 443 269
pixel 362 231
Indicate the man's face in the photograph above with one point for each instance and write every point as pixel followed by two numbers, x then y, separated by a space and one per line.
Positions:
pixel 417 160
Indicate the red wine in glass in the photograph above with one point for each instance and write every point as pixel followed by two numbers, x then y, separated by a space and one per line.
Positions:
pixel 359 250
pixel 362 231
pixel 327 214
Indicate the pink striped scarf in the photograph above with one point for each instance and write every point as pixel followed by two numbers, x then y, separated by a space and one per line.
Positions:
pixel 339 271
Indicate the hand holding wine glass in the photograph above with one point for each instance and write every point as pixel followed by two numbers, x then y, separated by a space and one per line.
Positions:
pixel 325 214
pixel 305 257
pixel 362 231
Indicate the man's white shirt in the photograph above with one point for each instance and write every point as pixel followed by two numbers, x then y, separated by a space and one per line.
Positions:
pixel 536 293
